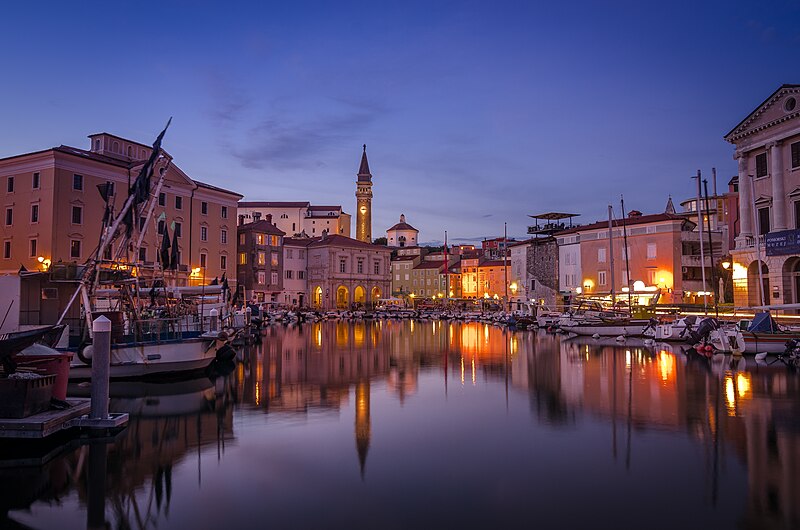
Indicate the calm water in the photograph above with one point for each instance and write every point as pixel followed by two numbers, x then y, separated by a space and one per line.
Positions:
pixel 436 425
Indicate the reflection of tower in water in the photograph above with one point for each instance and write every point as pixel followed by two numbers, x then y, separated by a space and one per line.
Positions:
pixel 363 426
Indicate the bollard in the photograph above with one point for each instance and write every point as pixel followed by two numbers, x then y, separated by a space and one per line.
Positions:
pixel 214 325
pixel 248 315
pixel 101 365
pixel 96 505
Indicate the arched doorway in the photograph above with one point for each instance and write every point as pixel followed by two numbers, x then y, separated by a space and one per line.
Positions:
pixel 317 298
pixel 375 295
pixel 359 296
pixel 753 291
pixel 342 297
pixel 791 280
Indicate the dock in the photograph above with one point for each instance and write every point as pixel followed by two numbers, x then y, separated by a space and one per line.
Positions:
pixel 44 424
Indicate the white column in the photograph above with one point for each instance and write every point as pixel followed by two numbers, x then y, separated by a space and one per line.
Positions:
pixel 745 199
pixel 778 193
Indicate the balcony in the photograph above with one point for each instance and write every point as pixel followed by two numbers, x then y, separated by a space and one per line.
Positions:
pixel 748 242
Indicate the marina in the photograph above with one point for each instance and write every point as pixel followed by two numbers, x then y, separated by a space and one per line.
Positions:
pixel 453 413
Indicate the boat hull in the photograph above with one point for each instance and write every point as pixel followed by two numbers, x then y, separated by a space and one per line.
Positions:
pixel 767 342
pixel 612 329
pixel 154 359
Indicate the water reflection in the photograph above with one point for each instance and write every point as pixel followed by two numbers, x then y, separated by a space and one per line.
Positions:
pixel 542 418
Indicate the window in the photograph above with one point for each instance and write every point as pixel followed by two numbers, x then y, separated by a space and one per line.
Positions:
pixel 797 214
pixel 601 277
pixel 32 248
pixel 223 236
pixel 262 277
pixel 242 258
pixel 289 275
pixel 289 253
pixel 259 239
pixel 360 266
pixel 7 249
pixel 161 226
pixel 223 262
pixel 761 165
pixel 178 227
pixel 142 254
pixel 274 277
pixel 262 258
pixel 796 154
pixel 625 278
pixel 203 260
pixel 162 199
pixel 651 276
pixel 77 215
pixel 301 275
pixel 36 182
pixel 763 221
pixel 9 216
pixel 242 239
pixel 651 251
pixel 10 185
pixel 204 208
pixel 273 260
pixel 342 264
pixel 75 248
pixel 275 241
pixel 533 285
pixel 601 255
pixel 376 268
pixel 178 202
pixel 397 277
pixel 293 227
pixel 651 229
pixel 406 277
pixel 203 233
pixel 34 213
pixel 77 182
pixel 224 212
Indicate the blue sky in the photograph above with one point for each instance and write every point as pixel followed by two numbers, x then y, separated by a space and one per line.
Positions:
pixel 474 113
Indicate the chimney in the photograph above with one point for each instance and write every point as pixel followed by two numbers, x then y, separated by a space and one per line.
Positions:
pixel 241 219
pixel 714 180
pixel 256 216
pixel 268 217
pixel 634 213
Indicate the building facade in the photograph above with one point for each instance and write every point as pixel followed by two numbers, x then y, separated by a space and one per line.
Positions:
pixel 364 200
pixel 345 273
pixel 425 280
pixel 259 262
pixel 402 234
pixel 295 271
pixel 534 272
pixel 53 210
pixel 298 218
pixel 766 266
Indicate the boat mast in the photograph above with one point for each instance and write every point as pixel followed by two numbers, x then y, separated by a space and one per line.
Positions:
pixel 611 254
pixel 627 258
pixel 699 210
pixel 710 248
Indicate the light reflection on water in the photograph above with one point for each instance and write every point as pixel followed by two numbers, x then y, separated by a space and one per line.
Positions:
pixel 369 424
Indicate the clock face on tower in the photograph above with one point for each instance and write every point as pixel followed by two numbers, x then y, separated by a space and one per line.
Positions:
pixel 363 209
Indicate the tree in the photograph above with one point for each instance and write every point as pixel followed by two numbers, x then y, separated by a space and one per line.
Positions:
pixel 380 241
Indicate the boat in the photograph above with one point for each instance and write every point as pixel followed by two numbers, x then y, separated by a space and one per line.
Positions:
pixel 156 328
pixel 764 334
pixel 625 327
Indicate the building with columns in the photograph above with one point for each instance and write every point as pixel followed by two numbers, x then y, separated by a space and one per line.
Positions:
pixel 364 200
pixel 767 148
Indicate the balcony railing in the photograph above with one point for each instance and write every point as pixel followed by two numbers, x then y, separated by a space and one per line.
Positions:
pixel 748 242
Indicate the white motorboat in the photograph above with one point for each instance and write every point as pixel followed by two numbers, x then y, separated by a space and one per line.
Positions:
pixel 625 327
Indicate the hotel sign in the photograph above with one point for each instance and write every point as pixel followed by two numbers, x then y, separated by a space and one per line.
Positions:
pixel 783 242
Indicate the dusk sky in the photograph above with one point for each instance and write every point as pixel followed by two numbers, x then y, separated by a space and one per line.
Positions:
pixel 474 113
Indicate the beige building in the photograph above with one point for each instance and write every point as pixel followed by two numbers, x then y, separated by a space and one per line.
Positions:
pixel 295 272
pixel 345 273
pixel 767 145
pixel 53 210
pixel 298 218
pixel 402 234
pixel 425 280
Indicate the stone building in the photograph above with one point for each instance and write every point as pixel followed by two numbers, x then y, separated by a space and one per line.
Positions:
pixel 259 262
pixel 345 273
pixel 53 210
pixel 766 261
pixel 402 234
pixel 298 218
pixel 534 272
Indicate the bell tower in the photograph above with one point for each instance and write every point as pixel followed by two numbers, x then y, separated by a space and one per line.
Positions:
pixel 364 201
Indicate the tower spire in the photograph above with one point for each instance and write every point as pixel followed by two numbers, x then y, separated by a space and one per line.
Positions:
pixel 363 170
pixel 364 200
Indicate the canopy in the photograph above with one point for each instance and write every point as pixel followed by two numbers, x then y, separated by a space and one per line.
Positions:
pixel 763 323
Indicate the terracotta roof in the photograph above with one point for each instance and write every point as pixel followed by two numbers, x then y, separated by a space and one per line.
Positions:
pixel 261 226
pixel 629 221
pixel 216 188
pixel 338 240
pixel 402 226
pixel 273 204
pixel 297 241
pixel 312 208
pixel 406 258
pixel 430 265
pixel 495 263
pixel 120 138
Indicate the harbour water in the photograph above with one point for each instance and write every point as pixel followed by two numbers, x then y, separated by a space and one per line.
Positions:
pixel 401 424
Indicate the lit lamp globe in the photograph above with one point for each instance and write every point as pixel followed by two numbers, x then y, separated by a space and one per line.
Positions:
pixel 638 285
pixel 726 264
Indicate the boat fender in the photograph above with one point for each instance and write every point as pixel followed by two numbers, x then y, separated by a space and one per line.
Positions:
pixel 226 353
pixel 222 336
pixel 84 353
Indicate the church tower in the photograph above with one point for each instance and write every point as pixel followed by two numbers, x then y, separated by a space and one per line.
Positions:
pixel 364 201
pixel 363 423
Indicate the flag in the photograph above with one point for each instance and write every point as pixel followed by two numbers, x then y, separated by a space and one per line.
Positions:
pixel 163 253
pixel 141 186
pixel 176 255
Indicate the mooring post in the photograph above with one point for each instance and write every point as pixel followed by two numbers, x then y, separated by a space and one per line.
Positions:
pixel 214 325
pixel 248 315
pixel 101 364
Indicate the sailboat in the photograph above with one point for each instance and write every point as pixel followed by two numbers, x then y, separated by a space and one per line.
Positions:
pixel 155 331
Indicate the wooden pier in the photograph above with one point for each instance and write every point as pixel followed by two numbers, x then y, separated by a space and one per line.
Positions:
pixel 50 422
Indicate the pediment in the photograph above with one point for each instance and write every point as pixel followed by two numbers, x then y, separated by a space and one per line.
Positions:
pixel 795 193
pixel 777 109
pixel 763 201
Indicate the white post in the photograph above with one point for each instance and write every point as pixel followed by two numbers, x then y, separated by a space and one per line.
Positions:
pixel 214 324
pixel 101 365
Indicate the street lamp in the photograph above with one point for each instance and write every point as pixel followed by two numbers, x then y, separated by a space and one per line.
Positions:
pixel 726 264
